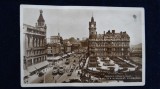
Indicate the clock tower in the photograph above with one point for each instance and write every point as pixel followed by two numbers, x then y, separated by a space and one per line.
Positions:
pixel 92 28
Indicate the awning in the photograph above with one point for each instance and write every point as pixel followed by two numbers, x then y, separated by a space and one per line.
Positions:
pixel 49 58
pixel 69 53
pixel 54 58
pixel 41 64
pixel 64 55
pixel 93 69
pixel 57 58
pixel 104 68
pixel 31 68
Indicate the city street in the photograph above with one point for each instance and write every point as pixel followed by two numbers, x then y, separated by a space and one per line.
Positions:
pixel 59 78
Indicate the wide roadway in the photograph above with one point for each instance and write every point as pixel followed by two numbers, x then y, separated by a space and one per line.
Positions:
pixel 59 78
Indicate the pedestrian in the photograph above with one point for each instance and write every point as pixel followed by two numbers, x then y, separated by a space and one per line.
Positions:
pixel 55 81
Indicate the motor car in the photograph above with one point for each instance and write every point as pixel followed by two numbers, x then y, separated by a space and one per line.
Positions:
pixel 105 64
pixel 70 73
pixel 64 82
pixel 40 74
pixel 41 81
pixel 61 70
pixel 74 64
pixel 72 69
pixel 67 61
pixel 75 81
pixel 55 70
pixel 108 64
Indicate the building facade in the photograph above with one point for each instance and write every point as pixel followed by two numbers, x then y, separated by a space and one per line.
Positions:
pixel 35 45
pixel 49 50
pixel 67 47
pixel 136 52
pixel 108 44
pixel 55 45
pixel 55 39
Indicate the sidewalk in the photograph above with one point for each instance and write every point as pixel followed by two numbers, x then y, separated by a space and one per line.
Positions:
pixel 34 77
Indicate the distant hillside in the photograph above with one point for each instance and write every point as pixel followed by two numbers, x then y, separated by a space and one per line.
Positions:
pixel 137 46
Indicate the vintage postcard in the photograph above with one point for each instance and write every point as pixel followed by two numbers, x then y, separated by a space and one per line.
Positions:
pixel 82 46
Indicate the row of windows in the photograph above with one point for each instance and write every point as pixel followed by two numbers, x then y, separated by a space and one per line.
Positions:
pixel 109 43
pixel 36 52
pixel 112 54
pixel 111 39
pixel 36 60
pixel 55 41
pixel 35 31
pixel 34 42
pixel 110 49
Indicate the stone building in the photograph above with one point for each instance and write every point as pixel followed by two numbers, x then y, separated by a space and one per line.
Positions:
pixel 55 45
pixel 67 47
pixel 34 42
pixel 136 50
pixel 108 44
pixel 56 39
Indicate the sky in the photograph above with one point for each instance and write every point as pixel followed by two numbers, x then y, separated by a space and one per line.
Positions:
pixel 74 21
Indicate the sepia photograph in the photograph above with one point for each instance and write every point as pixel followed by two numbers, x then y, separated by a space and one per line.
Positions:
pixel 82 46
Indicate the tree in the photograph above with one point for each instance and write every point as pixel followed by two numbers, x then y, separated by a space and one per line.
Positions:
pixel 72 40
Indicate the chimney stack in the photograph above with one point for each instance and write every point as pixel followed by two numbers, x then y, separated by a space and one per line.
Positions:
pixel 113 31
pixel 108 31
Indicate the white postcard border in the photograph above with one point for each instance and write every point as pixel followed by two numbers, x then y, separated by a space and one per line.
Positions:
pixel 82 84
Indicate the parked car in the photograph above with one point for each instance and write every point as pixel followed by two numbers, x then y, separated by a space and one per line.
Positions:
pixel 74 64
pixel 105 64
pixel 61 70
pixel 72 69
pixel 67 61
pixel 75 81
pixel 40 74
pixel 70 73
pixel 55 70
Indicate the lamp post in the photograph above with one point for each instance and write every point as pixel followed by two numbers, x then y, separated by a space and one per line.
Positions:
pixel 44 78
pixel 45 75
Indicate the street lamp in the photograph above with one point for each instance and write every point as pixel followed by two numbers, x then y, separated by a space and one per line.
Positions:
pixel 44 78
pixel 44 75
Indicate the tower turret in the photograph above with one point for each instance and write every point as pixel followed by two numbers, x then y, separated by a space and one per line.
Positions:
pixel 92 28
pixel 41 20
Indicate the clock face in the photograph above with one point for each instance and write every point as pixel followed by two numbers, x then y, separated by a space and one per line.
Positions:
pixel 92 25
